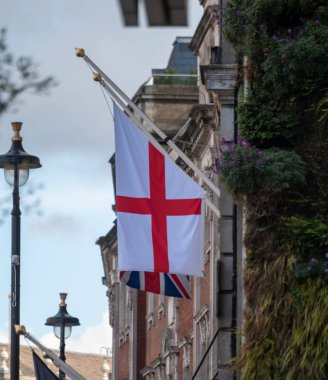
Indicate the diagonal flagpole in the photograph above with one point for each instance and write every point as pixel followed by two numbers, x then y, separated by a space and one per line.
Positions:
pixel 117 94
pixel 150 137
pixel 69 371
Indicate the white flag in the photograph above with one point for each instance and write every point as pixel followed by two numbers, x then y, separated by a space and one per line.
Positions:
pixel 159 208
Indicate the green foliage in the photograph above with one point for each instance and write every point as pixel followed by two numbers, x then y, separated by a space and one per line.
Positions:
pixel 283 53
pixel 246 170
pixel 246 21
pixel 263 122
pixel 170 77
pixel 286 42
pixel 306 237
pixel 322 108
pixel 312 268
pixel 306 351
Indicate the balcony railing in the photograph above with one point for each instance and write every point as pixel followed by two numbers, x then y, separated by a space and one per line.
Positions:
pixel 173 79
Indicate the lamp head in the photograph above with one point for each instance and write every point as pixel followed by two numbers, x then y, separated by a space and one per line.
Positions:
pixel 62 319
pixel 17 159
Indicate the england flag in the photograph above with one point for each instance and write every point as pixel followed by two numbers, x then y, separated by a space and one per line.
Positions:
pixel 159 207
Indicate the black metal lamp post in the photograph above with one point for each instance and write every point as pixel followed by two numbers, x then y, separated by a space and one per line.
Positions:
pixel 16 164
pixel 62 323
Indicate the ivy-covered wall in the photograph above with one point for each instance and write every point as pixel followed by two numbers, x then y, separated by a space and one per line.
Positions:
pixel 278 169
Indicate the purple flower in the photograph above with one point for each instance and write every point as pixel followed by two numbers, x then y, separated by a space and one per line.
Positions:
pixel 239 140
pixel 326 270
pixel 274 37
pixel 326 255
pixel 295 261
pixel 289 31
pixel 314 260
pixel 309 268
pixel 317 22
pixel 282 57
pixel 230 147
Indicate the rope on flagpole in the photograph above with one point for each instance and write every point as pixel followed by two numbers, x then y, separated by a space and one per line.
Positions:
pixel 119 93
pixel 151 138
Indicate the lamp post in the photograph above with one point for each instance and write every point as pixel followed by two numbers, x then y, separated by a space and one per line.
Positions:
pixel 16 164
pixel 62 323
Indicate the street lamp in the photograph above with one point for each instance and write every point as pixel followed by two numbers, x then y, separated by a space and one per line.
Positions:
pixel 62 323
pixel 16 164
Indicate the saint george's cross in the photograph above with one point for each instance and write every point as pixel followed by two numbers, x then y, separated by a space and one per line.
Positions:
pixel 159 207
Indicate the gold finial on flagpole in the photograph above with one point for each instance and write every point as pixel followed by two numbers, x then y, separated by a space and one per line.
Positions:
pixel 97 77
pixel 20 329
pixel 79 52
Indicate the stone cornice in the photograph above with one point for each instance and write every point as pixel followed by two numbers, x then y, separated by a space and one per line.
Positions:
pixel 109 239
pixel 221 79
pixel 168 93
pixel 202 28
pixel 198 132
pixel 157 362
pixel 146 371
pixel 204 310
pixel 202 113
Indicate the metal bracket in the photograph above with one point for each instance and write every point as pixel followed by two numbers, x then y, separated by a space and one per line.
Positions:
pixel 15 259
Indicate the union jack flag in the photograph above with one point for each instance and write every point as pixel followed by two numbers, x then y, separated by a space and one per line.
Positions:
pixel 168 284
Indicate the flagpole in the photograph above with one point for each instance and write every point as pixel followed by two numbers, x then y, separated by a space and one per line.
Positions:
pixel 144 130
pixel 115 89
pixel 20 330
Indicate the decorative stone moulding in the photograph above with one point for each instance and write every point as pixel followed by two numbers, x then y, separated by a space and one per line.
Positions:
pixel 220 79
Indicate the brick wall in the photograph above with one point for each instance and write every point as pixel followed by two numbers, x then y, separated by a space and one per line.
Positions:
pixel 185 317
pixel 154 333
pixel 141 333
pixel 123 360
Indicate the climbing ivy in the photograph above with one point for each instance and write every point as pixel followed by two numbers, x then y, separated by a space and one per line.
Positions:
pixel 279 170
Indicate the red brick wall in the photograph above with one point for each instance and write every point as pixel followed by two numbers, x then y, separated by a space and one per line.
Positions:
pixel 185 317
pixel 141 333
pixel 123 360
pixel 154 335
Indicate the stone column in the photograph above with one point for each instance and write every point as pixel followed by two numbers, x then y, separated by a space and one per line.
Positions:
pixel 220 81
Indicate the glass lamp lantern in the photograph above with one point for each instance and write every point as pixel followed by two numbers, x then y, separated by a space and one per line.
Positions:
pixel 62 319
pixel 62 324
pixel 16 162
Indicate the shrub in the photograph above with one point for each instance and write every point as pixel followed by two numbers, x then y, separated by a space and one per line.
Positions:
pixel 263 122
pixel 245 169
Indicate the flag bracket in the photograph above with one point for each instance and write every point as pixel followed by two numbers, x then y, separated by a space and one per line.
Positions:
pixel 132 110
pixel 68 370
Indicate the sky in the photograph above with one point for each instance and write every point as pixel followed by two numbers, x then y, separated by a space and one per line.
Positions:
pixel 71 131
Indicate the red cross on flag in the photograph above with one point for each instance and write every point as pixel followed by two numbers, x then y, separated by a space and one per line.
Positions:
pixel 159 208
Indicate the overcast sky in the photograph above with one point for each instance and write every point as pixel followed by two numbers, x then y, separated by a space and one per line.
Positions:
pixel 71 131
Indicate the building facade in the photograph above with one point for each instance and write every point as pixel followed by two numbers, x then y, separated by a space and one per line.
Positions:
pixel 157 337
